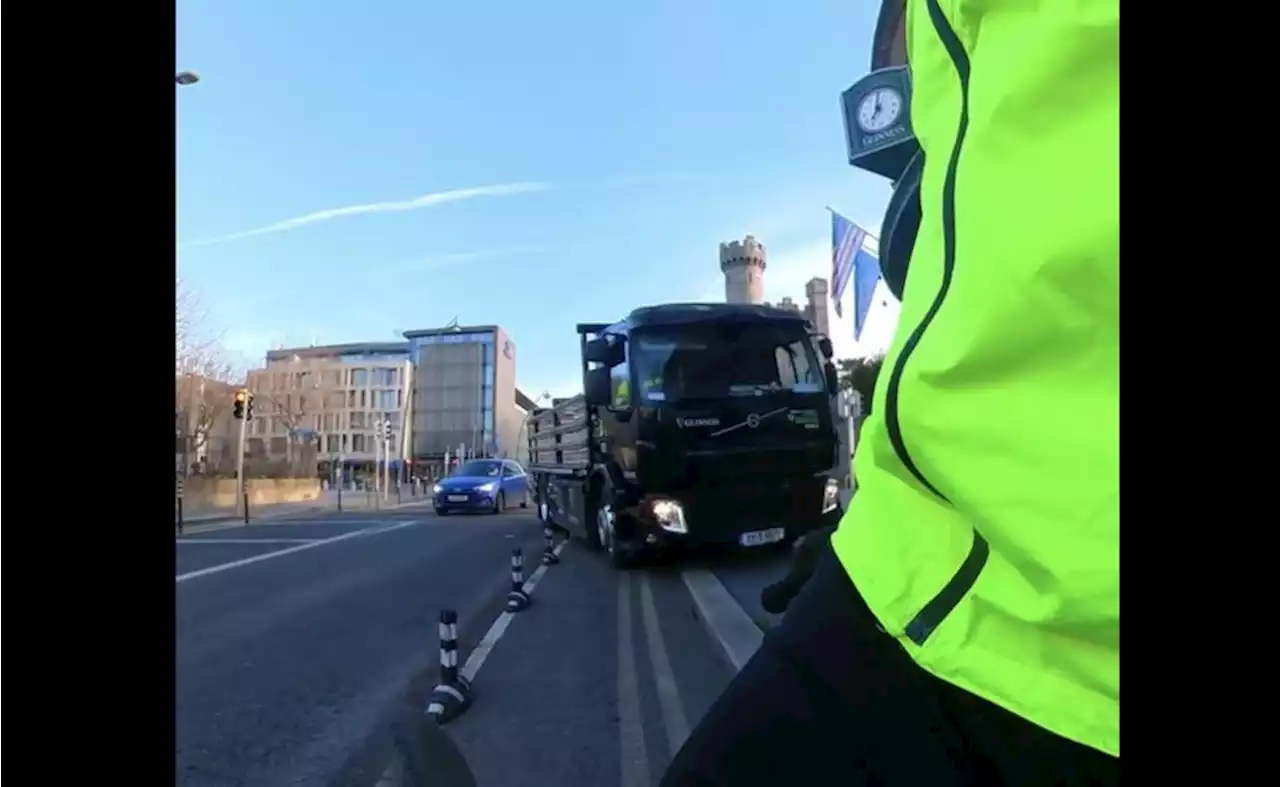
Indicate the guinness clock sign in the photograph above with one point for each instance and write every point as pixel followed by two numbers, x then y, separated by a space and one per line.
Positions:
pixel 877 122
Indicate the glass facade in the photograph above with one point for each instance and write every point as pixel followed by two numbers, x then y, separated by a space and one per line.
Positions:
pixel 454 402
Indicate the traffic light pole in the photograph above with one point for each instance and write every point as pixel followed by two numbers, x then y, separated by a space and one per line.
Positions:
pixel 242 490
pixel 386 468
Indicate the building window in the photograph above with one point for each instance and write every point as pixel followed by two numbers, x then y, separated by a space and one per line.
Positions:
pixel 357 443
pixel 385 377
pixel 386 400
pixel 360 378
pixel 357 420
pixel 351 399
pixel 399 398
pixel 488 374
pixel 364 398
pixel 333 444
pixel 392 418
pixel 488 420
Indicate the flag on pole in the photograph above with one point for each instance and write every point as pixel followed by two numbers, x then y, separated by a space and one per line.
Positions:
pixel 846 241
pixel 866 275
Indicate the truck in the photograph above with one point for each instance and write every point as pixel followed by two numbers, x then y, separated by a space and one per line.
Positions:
pixel 699 425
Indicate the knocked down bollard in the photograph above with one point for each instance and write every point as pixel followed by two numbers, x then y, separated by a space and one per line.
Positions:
pixel 452 695
pixel 517 599
pixel 549 556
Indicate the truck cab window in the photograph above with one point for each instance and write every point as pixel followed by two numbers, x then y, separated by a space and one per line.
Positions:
pixel 620 378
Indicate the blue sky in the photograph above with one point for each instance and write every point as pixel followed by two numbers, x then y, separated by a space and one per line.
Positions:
pixel 350 170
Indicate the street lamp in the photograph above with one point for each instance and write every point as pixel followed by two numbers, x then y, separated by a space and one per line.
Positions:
pixel 186 78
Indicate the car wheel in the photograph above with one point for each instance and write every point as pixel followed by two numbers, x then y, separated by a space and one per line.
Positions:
pixel 441 512
pixel 499 503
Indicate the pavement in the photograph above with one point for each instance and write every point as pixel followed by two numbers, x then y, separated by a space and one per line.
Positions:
pixel 326 502
pixel 300 639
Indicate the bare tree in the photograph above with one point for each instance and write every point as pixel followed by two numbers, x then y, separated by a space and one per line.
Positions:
pixel 293 406
pixel 204 376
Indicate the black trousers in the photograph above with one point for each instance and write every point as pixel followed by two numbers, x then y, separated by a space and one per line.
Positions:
pixel 829 699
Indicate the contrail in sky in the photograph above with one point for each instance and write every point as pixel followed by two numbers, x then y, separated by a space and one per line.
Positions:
pixel 394 206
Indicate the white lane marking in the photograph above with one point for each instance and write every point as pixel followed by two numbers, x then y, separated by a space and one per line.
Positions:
pixel 634 760
pixel 475 660
pixel 673 718
pixel 737 634
pixel 245 540
pixel 288 551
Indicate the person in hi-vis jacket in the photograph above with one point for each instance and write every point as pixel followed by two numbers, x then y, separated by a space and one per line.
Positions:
pixel 964 626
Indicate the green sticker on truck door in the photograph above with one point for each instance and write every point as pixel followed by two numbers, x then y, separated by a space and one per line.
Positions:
pixel 806 418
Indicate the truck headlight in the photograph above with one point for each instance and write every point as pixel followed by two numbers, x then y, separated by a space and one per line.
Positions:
pixel 670 516
pixel 831 495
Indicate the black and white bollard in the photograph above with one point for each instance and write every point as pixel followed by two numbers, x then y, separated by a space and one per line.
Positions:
pixel 517 599
pixel 452 695
pixel 549 556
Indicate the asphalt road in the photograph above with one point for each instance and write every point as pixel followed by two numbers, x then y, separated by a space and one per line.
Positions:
pixel 300 640
pixel 300 637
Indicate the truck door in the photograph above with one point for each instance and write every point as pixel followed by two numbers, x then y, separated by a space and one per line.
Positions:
pixel 618 422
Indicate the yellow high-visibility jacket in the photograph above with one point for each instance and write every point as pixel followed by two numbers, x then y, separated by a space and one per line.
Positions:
pixel 985 531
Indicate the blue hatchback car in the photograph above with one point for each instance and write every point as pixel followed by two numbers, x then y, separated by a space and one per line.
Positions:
pixel 485 485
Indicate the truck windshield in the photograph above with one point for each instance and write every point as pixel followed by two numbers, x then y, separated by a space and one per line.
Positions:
pixel 718 360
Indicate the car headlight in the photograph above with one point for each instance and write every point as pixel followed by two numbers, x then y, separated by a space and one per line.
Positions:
pixel 489 487
pixel 670 516
pixel 437 489
pixel 831 495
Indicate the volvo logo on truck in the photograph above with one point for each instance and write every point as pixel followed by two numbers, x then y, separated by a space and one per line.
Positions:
pixel 693 423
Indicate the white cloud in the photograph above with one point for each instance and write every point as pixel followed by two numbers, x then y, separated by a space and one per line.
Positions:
pixel 393 206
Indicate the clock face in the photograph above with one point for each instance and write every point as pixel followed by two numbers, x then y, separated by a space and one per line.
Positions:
pixel 879 109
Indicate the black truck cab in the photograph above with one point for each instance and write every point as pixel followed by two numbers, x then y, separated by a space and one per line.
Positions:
pixel 705 424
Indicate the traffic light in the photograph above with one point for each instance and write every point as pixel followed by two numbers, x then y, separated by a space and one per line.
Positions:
pixel 238 412
pixel 248 410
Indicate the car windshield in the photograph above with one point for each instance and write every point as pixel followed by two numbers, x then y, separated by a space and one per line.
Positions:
pixel 472 469
pixel 724 360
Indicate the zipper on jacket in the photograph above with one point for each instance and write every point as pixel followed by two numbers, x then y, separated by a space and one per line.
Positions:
pixel 933 613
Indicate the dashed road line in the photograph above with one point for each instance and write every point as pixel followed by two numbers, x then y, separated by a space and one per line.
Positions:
pixel 733 629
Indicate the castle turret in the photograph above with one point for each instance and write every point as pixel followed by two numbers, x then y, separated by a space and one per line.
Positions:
pixel 743 263
pixel 815 291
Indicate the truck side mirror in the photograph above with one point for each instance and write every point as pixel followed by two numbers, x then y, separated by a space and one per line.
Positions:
pixel 596 388
pixel 607 351
pixel 824 346
pixel 833 379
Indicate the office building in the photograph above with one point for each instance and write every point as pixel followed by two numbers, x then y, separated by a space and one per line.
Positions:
pixel 463 391
pixel 743 263
pixel 330 398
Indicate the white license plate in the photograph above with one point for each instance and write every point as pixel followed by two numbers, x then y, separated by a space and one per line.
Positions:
pixel 457 498
pixel 757 537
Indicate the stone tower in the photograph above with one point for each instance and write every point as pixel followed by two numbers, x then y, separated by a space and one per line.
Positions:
pixel 743 264
pixel 815 291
